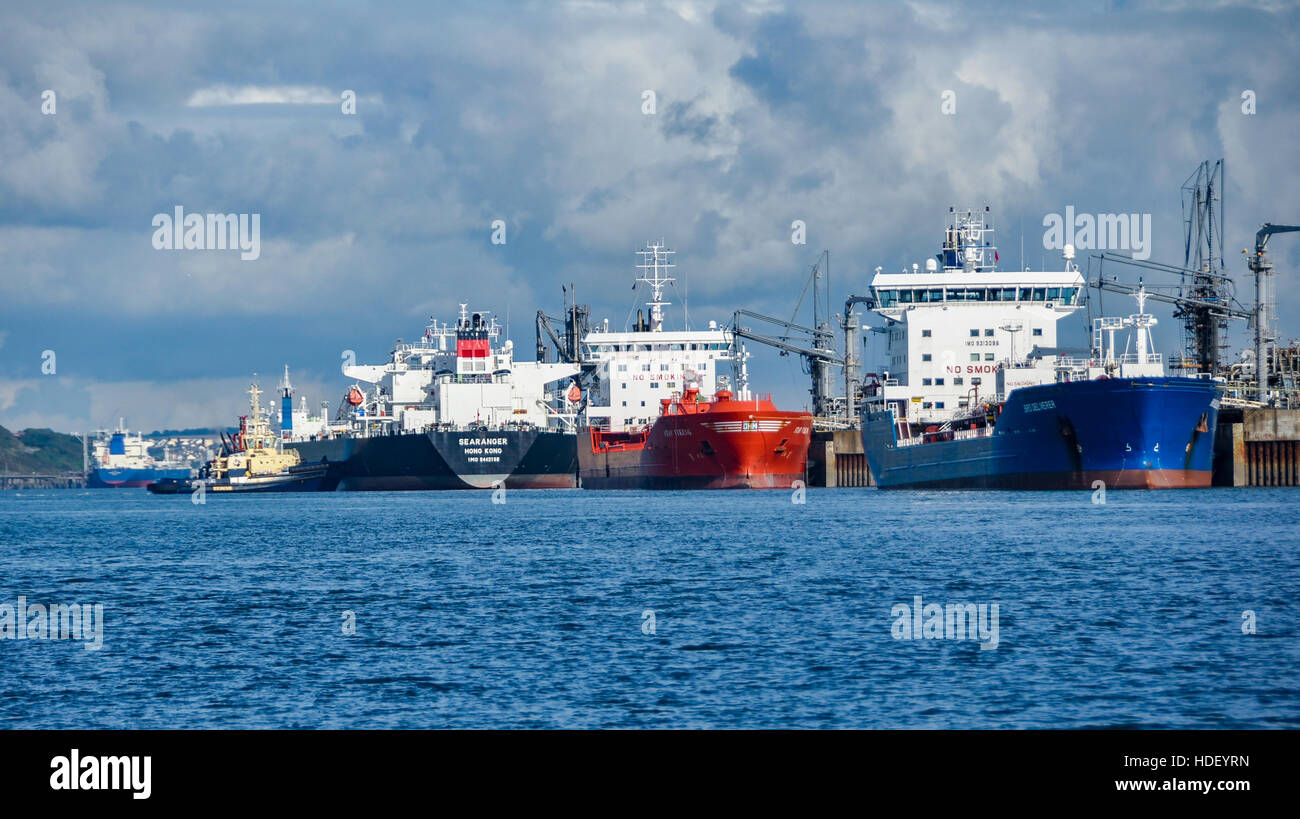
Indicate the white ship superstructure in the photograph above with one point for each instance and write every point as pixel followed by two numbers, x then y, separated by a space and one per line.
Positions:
pixel 638 369
pixel 963 331
pixel 455 377
pixel 122 449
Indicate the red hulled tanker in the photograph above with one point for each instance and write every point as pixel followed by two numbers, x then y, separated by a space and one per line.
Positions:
pixel 698 444
pixel 658 415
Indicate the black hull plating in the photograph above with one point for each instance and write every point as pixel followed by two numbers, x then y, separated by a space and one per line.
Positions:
pixel 519 459
pixel 298 480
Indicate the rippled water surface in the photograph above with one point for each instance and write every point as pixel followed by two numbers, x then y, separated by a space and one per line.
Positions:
pixel 533 613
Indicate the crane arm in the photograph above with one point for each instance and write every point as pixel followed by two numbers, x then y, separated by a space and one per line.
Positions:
pixel 1181 301
pixel 852 300
pixel 781 344
pixel 1266 230
pixel 544 325
pixel 773 320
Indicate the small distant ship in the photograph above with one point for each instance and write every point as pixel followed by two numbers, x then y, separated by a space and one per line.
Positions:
pixel 121 460
pixel 971 404
pixel 658 415
pixel 252 461
pixel 453 410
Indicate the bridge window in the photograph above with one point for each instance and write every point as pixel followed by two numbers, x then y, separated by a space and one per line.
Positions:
pixel 925 356
pixel 938 405
pixel 925 334
pixel 1038 331
pixel 925 382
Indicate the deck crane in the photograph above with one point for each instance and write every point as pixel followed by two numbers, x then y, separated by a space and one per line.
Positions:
pixel 1265 304
pixel 577 319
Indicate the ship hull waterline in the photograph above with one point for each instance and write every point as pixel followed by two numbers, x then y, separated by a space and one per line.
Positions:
pixel 448 460
pixel 1142 433
pixel 737 449
pixel 130 478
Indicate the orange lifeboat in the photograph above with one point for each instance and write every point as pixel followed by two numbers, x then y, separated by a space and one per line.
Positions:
pixel 575 394
pixel 355 397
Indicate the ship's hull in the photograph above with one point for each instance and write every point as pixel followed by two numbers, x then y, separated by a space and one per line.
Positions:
pixel 733 449
pixel 1141 433
pixel 515 459
pixel 106 478
pixel 303 478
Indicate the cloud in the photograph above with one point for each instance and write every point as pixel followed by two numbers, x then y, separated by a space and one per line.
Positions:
pixel 81 404
pixel 825 112
pixel 261 95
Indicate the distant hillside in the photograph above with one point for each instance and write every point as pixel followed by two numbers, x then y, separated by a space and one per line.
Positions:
pixel 42 451
pixel 197 432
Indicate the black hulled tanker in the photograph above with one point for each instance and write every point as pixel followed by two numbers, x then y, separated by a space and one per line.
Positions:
pixel 453 410
pixel 517 459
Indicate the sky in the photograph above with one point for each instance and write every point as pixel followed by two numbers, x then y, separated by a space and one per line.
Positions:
pixel 864 121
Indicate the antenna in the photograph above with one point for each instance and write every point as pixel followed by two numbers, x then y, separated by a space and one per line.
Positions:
pixel 655 261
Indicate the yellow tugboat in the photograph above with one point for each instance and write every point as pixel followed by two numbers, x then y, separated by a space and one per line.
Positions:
pixel 253 461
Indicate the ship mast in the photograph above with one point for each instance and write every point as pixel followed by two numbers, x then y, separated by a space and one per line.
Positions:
pixel 655 261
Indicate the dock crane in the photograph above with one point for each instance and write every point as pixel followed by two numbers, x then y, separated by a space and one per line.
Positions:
pixel 1265 304
pixel 1216 308
pixel 816 344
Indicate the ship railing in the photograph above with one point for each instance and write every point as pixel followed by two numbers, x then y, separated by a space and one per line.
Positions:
pixel 823 423
pixel 1132 358
pixel 967 434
